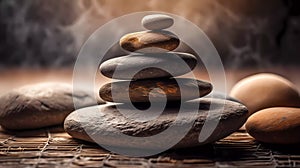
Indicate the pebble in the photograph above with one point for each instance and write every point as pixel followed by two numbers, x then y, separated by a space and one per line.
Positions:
pixel 144 66
pixel 99 120
pixel 277 125
pixel 141 90
pixel 150 41
pixel 157 21
pixel 39 105
pixel 265 90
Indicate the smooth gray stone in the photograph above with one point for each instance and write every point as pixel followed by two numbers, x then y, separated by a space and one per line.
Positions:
pixel 98 121
pixel 146 66
pixel 157 21
pixel 40 105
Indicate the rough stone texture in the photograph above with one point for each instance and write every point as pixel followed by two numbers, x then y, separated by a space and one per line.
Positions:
pixel 278 125
pixel 98 121
pixel 265 90
pixel 150 41
pixel 146 66
pixel 39 105
pixel 157 89
pixel 157 22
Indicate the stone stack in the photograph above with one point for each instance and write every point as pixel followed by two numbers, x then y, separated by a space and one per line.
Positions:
pixel 152 49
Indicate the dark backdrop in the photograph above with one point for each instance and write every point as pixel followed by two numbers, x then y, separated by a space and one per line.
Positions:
pixel 246 33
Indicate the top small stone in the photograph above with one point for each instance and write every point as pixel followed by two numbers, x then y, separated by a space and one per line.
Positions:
pixel 157 22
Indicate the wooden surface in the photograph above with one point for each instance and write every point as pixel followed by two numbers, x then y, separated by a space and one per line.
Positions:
pixel 53 148
pixel 49 148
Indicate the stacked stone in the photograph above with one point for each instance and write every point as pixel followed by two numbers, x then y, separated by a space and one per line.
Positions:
pixel 152 48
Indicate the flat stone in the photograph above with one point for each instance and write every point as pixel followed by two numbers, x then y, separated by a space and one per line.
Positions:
pixel 155 89
pixel 150 41
pixel 146 66
pixel 265 90
pixel 157 21
pixel 277 125
pixel 101 123
pixel 40 105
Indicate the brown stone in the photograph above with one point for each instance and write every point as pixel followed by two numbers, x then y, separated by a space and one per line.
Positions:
pixel 265 90
pixel 141 90
pixel 97 122
pixel 150 41
pixel 277 125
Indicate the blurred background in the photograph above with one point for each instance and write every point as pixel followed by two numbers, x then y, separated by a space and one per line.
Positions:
pixel 37 36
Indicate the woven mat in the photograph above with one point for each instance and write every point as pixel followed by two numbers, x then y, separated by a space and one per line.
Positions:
pixel 52 148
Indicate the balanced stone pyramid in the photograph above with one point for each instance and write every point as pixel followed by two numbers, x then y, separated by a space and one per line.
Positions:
pixel 152 50
pixel 150 74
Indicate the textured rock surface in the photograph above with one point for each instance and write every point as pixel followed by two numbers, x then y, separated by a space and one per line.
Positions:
pixel 278 125
pixel 99 121
pixel 144 65
pixel 150 41
pixel 141 90
pixel 265 90
pixel 157 22
pixel 40 105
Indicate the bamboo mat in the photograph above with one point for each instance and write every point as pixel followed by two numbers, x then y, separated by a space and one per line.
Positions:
pixel 52 148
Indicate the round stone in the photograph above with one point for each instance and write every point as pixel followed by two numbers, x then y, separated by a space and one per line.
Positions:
pixel 40 105
pixel 101 123
pixel 155 89
pixel 157 21
pixel 277 125
pixel 146 66
pixel 265 90
pixel 150 41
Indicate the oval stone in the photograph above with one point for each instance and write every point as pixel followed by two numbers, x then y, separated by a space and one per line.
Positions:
pixel 155 89
pixel 265 90
pixel 149 41
pixel 40 105
pixel 157 21
pixel 146 66
pixel 277 125
pixel 101 123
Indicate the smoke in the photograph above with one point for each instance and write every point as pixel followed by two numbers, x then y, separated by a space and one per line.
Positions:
pixel 250 33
